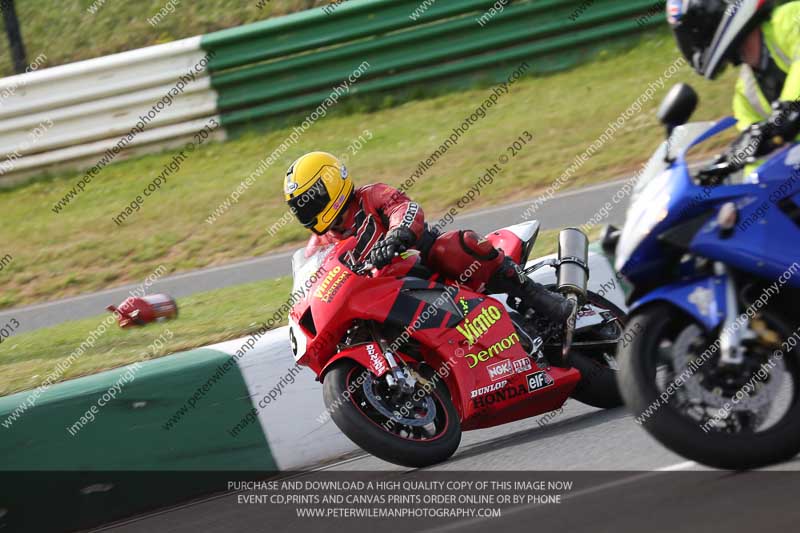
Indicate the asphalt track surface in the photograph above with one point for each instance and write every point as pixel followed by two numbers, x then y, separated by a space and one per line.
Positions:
pixel 574 207
pixel 625 481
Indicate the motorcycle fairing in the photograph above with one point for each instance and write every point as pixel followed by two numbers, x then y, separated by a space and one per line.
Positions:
pixel 702 298
pixel 760 243
pixel 325 315
pixel 488 353
pixel 411 301
pixel 765 248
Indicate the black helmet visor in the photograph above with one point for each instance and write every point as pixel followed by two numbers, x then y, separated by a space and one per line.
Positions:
pixel 307 206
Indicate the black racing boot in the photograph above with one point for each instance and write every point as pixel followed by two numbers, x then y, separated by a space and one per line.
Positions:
pixel 511 280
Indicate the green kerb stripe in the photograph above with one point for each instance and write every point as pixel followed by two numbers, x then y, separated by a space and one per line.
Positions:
pixel 128 432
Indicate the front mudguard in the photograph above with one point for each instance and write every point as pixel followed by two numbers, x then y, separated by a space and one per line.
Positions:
pixel 701 298
pixel 362 355
pixel 368 355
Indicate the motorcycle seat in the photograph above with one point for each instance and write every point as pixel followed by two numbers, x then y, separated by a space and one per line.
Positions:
pixel 516 241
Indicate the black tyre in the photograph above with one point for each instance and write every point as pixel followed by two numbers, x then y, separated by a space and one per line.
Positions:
pixel 365 416
pixel 682 424
pixel 598 385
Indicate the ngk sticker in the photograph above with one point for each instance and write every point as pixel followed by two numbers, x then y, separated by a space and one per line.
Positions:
pixel 377 361
pixel 522 365
pixel 500 370
pixel 538 381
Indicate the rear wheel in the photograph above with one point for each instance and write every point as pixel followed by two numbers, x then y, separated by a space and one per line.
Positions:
pixel 415 430
pixel 741 417
pixel 594 350
pixel 598 385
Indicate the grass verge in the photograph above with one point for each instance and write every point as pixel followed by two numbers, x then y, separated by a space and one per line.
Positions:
pixel 82 249
pixel 205 318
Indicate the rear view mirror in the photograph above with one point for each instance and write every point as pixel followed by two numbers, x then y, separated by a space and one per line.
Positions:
pixel 677 107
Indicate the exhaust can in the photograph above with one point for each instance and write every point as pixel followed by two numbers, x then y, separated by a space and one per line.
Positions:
pixel 573 262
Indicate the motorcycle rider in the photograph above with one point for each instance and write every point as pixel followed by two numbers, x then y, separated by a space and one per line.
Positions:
pixel 323 197
pixel 765 40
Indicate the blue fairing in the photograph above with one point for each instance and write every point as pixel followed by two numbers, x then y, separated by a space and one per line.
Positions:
pixel 686 200
pixel 719 127
pixel 684 295
pixel 763 242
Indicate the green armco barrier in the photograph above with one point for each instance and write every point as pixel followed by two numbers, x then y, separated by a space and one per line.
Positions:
pixel 293 62
pixel 313 29
pixel 128 432
pixel 509 58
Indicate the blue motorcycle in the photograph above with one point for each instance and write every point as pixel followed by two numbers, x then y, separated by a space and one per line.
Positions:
pixel 708 362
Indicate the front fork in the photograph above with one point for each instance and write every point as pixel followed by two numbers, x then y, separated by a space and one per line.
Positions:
pixel 400 378
pixel 733 333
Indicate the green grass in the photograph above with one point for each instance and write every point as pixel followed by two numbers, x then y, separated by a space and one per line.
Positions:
pixel 82 250
pixel 204 318
pixel 64 31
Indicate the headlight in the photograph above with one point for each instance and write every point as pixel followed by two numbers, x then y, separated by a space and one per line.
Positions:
pixel 650 208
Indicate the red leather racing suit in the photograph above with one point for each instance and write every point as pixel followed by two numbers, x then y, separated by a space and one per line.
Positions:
pixel 376 209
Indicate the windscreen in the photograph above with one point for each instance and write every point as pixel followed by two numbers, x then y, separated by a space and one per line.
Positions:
pixel 304 267
pixel 682 137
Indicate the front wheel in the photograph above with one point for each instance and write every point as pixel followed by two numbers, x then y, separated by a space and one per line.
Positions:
pixel 737 418
pixel 418 430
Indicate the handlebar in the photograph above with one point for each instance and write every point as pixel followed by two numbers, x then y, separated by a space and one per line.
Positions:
pixel 720 169
pixel 713 174
pixel 362 268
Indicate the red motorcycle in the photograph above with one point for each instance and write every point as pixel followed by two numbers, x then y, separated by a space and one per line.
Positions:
pixel 408 360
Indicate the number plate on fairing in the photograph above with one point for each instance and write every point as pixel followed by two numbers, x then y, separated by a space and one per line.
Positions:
pixel 298 340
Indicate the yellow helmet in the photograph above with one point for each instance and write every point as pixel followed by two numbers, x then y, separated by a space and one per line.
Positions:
pixel 317 189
